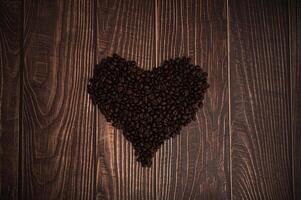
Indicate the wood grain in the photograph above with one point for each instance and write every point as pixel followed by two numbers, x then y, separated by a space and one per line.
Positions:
pixel 295 32
pixel 244 144
pixel 59 143
pixel 260 100
pixel 10 36
pixel 128 28
pixel 195 165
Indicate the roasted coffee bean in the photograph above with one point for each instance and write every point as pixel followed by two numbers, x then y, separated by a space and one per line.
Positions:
pixel 149 106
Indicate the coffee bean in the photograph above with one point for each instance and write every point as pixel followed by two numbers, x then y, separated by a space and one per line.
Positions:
pixel 149 106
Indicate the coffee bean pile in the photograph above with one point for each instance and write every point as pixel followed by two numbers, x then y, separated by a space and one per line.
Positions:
pixel 149 106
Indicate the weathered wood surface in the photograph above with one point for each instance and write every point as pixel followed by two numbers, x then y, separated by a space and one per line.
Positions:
pixel 10 51
pixel 261 132
pixel 195 165
pixel 127 28
pixel 244 144
pixel 58 134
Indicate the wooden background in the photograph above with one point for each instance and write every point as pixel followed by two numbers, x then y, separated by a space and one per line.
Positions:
pixel 245 143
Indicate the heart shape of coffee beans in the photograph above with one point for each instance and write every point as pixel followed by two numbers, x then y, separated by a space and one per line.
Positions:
pixel 149 106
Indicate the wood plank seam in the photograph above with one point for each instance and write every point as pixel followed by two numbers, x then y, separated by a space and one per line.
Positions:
pixel 294 39
pixel 229 98
pixel 20 163
pixel 95 34
pixel 290 7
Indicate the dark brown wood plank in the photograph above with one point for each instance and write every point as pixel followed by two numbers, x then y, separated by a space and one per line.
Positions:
pixel 128 28
pixel 58 115
pixel 261 142
pixel 10 35
pixel 195 165
pixel 295 22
